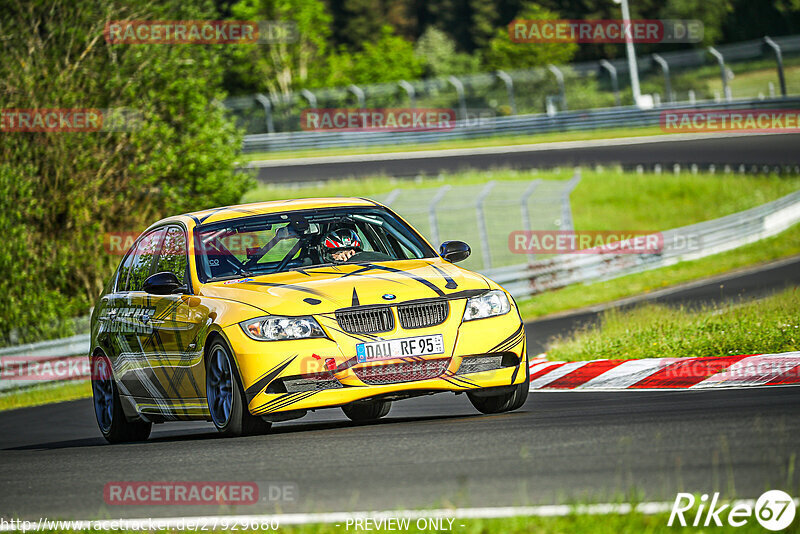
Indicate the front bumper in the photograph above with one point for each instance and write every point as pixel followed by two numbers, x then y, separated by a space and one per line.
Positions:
pixel 267 368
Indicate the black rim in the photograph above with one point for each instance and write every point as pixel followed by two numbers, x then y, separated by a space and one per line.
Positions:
pixel 103 390
pixel 219 387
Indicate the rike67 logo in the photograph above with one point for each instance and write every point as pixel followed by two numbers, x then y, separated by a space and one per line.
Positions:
pixel 774 510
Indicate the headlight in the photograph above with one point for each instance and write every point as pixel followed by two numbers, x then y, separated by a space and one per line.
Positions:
pixel 276 328
pixel 490 304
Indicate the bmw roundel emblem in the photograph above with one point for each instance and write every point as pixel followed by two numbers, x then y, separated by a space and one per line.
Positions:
pixel 389 296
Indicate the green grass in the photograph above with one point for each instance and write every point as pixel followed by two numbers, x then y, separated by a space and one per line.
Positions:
pixel 617 200
pixel 750 84
pixel 752 78
pixel 45 394
pixel 782 245
pixel 768 325
pixel 630 523
pixel 459 143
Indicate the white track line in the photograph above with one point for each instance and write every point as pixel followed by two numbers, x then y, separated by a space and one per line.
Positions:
pixel 336 518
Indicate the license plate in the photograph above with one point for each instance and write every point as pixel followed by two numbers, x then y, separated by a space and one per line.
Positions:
pixel 400 348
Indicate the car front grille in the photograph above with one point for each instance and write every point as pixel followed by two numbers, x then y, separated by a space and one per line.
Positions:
pixel 423 315
pixel 366 321
pixel 401 372
pixel 312 382
pixel 476 364
pixel 487 362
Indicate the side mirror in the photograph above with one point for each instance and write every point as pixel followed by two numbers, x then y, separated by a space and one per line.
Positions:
pixel 164 283
pixel 454 251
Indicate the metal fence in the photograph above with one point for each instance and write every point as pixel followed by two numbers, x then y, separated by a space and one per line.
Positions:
pixel 484 215
pixel 551 89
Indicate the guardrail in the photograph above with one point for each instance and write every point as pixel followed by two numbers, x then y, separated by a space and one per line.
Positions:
pixel 621 117
pixel 45 361
pixel 680 244
pixel 68 358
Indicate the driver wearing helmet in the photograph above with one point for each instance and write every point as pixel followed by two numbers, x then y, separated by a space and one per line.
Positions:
pixel 341 245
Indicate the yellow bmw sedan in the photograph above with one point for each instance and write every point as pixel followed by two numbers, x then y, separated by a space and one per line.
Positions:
pixel 247 315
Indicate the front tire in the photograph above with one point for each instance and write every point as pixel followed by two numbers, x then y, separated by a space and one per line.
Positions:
pixel 113 424
pixel 225 395
pixel 504 402
pixel 361 412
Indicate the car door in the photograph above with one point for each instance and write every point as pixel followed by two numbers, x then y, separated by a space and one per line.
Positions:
pixel 174 349
pixel 112 333
pixel 131 316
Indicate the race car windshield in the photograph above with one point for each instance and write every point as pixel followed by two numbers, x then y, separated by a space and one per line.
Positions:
pixel 281 242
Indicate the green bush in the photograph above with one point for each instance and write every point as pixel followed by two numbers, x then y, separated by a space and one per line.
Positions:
pixel 60 193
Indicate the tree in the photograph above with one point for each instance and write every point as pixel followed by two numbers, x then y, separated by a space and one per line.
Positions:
pixel 711 13
pixel 438 51
pixel 752 19
pixel 356 22
pixel 60 193
pixel 483 19
pixel 390 58
pixel 448 16
pixel 280 68
pixel 503 53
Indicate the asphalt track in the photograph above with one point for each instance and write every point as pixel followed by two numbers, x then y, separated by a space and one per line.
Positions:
pixel 434 451
pixel 749 150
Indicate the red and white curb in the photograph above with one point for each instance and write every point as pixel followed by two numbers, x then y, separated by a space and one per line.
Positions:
pixel 667 373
